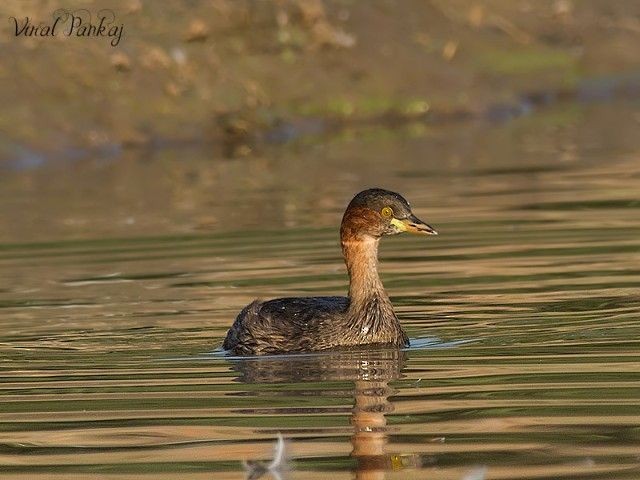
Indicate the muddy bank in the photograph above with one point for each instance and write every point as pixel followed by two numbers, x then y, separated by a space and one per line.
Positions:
pixel 240 72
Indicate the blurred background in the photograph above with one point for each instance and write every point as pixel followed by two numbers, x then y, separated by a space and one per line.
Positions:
pixel 224 114
pixel 150 190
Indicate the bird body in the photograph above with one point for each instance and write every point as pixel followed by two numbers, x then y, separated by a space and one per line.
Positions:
pixel 366 316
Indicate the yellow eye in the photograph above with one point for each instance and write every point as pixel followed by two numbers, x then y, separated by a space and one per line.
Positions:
pixel 386 212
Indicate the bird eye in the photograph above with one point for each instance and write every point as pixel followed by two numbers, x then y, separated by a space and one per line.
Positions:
pixel 386 212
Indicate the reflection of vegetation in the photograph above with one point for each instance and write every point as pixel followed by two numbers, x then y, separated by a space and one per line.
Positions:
pixel 585 205
pixel 526 61
pixel 562 116
pixel 364 107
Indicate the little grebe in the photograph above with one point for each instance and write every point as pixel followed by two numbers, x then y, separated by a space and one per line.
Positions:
pixel 366 316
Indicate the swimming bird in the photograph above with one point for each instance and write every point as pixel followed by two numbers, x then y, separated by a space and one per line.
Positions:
pixel 366 316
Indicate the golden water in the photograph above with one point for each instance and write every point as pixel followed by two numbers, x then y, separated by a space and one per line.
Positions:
pixel 120 276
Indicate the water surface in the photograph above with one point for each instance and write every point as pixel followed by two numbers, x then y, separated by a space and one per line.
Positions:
pixel 120 276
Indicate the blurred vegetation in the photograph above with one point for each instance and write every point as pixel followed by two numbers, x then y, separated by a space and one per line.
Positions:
pixel 219 71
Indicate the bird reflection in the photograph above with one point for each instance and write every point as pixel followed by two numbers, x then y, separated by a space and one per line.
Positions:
pixel 370 371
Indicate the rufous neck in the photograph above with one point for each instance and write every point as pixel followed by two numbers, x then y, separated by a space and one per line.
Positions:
pixel 361 258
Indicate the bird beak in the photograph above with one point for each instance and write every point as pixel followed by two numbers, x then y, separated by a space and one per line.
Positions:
pixel 413 224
